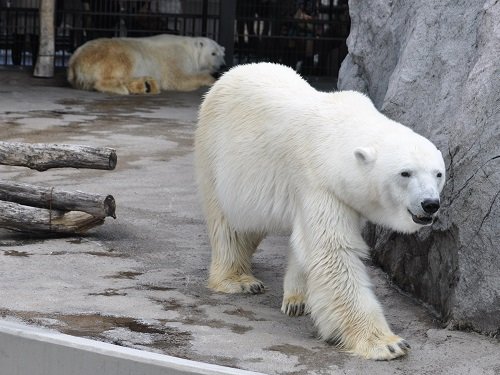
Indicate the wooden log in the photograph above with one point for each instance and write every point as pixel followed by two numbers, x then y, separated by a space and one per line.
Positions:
pixel 43 156
pixel 48 197
pixel 26 219
pixel 45 63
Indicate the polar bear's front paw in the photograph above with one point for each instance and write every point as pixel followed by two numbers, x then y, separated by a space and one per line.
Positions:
pixel 383 348
pixel 208 80
pixel 293 305
pixel 237 284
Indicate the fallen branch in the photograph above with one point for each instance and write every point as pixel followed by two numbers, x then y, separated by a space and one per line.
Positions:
pixel 41 156
pixel 21 218
pixel 96 205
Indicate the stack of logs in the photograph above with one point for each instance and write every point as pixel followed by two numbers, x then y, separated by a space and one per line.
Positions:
pixel 38 209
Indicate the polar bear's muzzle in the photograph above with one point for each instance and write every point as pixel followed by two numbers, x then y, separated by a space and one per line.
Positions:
pixel 422 219
pixel 430 207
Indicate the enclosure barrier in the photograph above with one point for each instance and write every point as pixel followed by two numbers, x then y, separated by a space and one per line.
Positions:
pixel 26 350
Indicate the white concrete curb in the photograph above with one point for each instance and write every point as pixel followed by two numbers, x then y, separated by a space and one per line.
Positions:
pixel 26 350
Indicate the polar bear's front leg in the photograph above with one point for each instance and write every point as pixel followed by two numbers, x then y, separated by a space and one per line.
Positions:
pixel 339 294
pixel 294 296
pixel 177 79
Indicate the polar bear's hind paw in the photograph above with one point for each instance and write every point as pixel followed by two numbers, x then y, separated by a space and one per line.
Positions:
pixel 143 85
pixel 238 284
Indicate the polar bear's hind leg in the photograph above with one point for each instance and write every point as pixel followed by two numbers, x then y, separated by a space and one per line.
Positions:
pixel 143 85
pixel 230 269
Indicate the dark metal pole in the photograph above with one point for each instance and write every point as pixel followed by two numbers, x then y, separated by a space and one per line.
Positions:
pixel 227 15
pixel 204 19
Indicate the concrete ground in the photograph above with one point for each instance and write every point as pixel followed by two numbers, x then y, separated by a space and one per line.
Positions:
pixel 139 281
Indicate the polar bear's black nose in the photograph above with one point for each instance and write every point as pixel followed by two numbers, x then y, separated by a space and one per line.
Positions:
pixel 430 205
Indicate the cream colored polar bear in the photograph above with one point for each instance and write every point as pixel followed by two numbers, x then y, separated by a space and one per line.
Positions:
pixel 274 154
pixel 145 65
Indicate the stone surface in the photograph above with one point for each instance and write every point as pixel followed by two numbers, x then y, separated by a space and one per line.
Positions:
pixel 434 66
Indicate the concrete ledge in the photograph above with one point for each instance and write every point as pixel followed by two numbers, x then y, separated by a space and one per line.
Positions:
pixel 26 350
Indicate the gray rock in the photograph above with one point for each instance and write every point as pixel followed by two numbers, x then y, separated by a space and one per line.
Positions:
pixel 435 66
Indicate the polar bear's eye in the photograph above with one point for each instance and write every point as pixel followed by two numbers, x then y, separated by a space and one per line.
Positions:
pixel 405 174
pixel 213 53
pixel 439 175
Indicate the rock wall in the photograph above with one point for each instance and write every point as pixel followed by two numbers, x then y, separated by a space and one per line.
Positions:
pixel 434 65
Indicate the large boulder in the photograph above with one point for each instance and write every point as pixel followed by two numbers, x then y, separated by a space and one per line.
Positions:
pixel 434 65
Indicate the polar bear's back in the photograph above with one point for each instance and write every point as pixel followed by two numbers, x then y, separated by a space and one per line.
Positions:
pixel 278 85
pixel 270 75
pixel 243 142
pixel 257 98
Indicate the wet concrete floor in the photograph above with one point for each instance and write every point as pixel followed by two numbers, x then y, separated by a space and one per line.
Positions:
pixel 139 281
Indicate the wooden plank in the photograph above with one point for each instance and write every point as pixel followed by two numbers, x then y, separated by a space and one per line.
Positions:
pixel 51 198
pixel 42 156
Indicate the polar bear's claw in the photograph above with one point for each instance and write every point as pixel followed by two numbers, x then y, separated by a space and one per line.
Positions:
pixel 385 349
pixel 404 345
pixel 256 288
pixel 293 305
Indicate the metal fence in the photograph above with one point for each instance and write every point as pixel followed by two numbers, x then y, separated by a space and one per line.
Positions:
pixel 306 35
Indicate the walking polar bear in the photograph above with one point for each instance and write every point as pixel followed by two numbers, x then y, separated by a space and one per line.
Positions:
pixel 145 65
pixel 274 154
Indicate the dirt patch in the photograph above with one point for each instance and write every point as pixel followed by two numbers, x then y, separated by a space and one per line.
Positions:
pixel 250 315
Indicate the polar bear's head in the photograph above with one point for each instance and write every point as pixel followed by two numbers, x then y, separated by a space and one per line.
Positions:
pixel 210 55
pixel 408 175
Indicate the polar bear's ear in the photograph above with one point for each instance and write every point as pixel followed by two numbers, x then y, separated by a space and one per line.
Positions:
pixel 365 155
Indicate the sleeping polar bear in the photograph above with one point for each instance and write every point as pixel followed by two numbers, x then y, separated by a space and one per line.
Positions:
pixel 145 65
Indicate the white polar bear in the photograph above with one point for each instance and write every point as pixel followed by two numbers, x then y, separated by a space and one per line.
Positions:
pixel 274 154
pixel 145 65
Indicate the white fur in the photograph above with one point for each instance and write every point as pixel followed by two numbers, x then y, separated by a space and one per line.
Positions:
pixel 273 154
pixel 171 62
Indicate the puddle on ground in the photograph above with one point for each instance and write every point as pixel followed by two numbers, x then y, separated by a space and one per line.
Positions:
pixel 109 293
pixel 169 340
pixel 156 287
pixel 110 118
pixel 109 253
pixel 194 315
pixel 124 275
pixel 17 240
pixel 78 240
pixel 15 253
pixel 62 252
